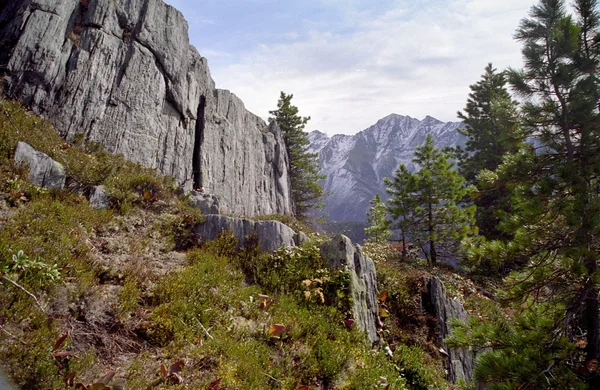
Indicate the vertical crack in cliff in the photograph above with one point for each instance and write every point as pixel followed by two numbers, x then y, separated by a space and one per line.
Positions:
pixel 198 141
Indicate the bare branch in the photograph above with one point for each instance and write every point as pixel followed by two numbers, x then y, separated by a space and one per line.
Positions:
pixel 17 285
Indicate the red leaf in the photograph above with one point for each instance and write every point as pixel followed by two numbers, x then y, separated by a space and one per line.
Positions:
pixel 349 322
pixel 60 341
pixel 214 385
pixel 176 367
pixel 276 329
pixel 303 388
pixel 163 371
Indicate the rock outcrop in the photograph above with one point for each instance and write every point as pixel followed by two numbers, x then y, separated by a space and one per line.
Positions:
pixel 99 198
pixel 43 171
pixel 270 234
pixel 206 203
pixel 340 252
pixel 124 74
pixel 460 362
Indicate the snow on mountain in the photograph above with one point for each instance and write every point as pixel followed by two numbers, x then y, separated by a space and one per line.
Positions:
pixel 356 165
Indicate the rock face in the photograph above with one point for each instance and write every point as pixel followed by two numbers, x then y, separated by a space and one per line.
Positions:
pixel 123 73
pixel 43 171
pixel 340 252
pixel 460 362
pixel 208 204
pixel 271 234
pixel 356 165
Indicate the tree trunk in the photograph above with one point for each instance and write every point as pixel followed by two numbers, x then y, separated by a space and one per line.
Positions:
pixel 432 253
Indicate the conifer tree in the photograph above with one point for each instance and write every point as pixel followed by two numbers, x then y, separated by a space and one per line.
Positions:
pixel 492 130
pixel 556 192
pixel 402 202
pixel 304 166
pixel 378 230
pixel 436 221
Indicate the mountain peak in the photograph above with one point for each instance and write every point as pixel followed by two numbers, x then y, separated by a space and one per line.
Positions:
pixel 431 120
pixel 356 165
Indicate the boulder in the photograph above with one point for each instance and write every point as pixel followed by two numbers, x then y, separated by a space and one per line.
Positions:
pixel 460 362
pixel 271 234
pixel 207 203
pixel 99 198
pixel 43 171
pixel 340 252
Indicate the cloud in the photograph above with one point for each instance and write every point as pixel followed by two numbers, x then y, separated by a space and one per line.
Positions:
pixel 413 57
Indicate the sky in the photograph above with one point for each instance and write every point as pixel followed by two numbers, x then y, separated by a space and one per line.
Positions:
pixel 349 63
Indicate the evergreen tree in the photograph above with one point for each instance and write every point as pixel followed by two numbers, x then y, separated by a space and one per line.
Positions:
pixel 492 130
pixel 556 188
pixel 402 202
pixel 378 230
pixel 436 222
pixel 304 166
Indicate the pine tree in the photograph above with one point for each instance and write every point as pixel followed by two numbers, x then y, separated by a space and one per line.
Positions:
pixel 304 166
pixel 561 111
pixel 492 131
pixel 402 203
pixel 556 187
pixel 378 230
pixel 436 223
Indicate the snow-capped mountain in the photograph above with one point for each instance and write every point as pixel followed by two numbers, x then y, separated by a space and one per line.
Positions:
pixel 355 165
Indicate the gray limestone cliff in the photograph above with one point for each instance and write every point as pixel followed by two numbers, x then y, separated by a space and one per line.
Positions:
pixel 124 74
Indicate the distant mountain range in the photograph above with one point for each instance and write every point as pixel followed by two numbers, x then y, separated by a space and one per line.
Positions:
pixel 355 165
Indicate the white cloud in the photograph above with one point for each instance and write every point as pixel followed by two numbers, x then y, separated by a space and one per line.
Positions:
pixel 418 59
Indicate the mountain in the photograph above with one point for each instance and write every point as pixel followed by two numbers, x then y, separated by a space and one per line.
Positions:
pixel 356 165
pixel 123 74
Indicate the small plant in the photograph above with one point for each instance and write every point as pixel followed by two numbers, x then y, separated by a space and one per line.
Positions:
pixel 21 267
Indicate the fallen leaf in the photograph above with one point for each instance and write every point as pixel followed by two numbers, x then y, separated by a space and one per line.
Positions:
pixel 176 367
pixel 349 322
pixel 383 313
pixel 60 341
pixel 276 329
pixel 383 296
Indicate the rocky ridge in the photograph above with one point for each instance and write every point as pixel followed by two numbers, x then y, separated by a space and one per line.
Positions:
pixel 356 165
pixel 125 75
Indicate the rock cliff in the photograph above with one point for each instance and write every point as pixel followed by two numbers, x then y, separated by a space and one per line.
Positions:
pixel 123 74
